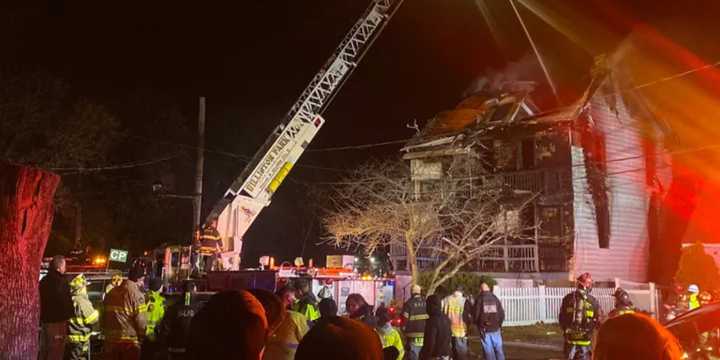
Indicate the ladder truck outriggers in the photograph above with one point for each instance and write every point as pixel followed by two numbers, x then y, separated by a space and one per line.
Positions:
pixel 252 190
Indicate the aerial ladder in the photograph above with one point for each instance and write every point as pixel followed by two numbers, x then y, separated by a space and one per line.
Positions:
pixel 252 190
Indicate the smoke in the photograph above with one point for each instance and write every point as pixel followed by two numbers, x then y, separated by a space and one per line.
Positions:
pixel 513 76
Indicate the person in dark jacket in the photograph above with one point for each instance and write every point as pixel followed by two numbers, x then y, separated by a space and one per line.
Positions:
pixel 415 313
pixel 437 337
pixel 56 308
pixel 489 317
pixel 359 309
pixel 174 329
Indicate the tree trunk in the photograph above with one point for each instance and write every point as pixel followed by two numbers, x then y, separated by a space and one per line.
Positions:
pixel 412 261
pixel 26 213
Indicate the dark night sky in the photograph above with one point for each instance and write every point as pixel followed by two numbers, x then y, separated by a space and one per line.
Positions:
pixel 251 59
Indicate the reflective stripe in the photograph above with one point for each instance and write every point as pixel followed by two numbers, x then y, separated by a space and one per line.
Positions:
pixel 418 341
pixel 419 317
pixel 415 335
pixel 78 338
pixel 93 317
pixel 580 342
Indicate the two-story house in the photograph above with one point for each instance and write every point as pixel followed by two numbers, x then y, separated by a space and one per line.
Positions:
pixel 588 166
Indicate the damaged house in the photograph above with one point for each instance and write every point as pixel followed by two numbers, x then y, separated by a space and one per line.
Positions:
pixel 590 173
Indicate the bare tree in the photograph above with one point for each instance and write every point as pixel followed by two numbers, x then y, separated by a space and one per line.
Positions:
pixel 380 206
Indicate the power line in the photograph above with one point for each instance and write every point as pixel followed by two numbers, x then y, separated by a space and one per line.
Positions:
pixel 360 146
pixel 129 165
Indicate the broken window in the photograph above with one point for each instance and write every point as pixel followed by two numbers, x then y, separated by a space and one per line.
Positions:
pixel 528 153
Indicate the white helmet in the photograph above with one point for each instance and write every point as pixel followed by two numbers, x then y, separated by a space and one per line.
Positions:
pixel 693 289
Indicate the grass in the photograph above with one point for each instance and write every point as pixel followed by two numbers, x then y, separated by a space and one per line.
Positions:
pixel 547 334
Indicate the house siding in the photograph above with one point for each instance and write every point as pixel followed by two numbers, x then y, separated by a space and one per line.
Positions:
pixel 627 255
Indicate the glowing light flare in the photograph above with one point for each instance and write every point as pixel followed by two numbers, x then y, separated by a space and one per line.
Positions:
pixel 99 260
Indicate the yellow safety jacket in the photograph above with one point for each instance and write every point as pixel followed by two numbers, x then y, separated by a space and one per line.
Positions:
pixel 155 311
pixel 693 303
pixel 389 336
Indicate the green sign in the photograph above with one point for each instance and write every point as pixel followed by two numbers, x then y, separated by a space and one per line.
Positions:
pixel 118 255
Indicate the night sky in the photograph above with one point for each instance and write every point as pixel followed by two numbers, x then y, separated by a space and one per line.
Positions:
pixel 251 59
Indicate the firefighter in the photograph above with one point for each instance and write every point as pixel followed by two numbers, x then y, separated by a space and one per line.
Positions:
pixel 174 328
pixel 389 336
pixel 80 326
pixel 155 303
pixel 124 318
pixel 208 245
pixel 693 302
pixel 415 314
pixel 623 304
pixel 579 316
pixel 116 280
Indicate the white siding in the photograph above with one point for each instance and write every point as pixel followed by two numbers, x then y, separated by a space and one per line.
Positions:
pixel 627 256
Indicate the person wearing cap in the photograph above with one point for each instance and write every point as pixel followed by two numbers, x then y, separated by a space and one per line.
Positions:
pixel 389 336
pixel 623 304
pixel 455 306
pixel 580 314
pixel 124 318
pixel 327 308
pixel 693 302
pixel 80 326
pixel 155 304
pixel 174 328
pixel 415 313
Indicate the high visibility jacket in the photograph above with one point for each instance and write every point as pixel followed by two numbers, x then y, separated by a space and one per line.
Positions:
pixel 285 340
pixel 693 303
pixel 307 307
pixel 415 312
pixel 389 336
pixel 80 326
pixel 579 315
pixel 124 318
pixel 454 307
pixel 155 312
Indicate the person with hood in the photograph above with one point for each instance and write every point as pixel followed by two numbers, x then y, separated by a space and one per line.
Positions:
pixel 415 313
pixel 437 336
pixel 124 318
pixel 56 308
pixel 359 309
pixel 489 316
pixel 580 314
pixel 457 308
pixel 389 336
pixel 80 327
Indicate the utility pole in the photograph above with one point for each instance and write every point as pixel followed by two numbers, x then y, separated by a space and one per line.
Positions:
pixel 199 164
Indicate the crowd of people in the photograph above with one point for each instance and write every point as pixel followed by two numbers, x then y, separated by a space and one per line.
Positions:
pixel 293 324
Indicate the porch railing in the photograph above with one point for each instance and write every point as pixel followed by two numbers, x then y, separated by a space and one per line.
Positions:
pixel 536 181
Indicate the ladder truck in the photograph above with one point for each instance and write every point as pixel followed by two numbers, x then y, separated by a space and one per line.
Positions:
pixel 252 190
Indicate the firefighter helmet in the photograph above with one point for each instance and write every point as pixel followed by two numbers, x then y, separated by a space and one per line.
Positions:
pixel 585 280
pixel 622 297
pixel 78 283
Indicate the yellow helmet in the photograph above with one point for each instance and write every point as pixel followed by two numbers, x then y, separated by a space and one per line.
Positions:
pixel 116 278
pixel 78 283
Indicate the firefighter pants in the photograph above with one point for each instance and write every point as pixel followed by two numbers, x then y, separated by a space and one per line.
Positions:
pixel 577 352
pixel 121 351
pixel 54 337
pixel 77 350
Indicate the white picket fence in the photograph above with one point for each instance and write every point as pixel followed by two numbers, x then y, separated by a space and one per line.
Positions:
pixel 531 305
